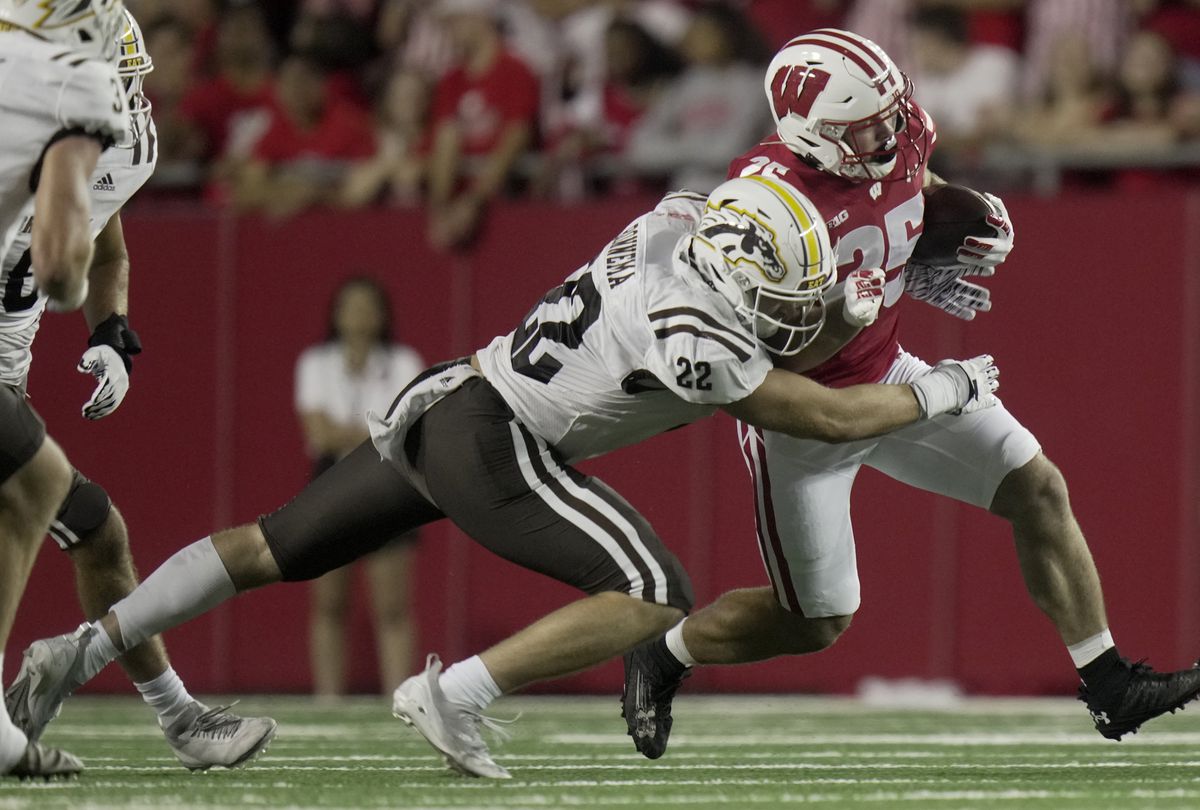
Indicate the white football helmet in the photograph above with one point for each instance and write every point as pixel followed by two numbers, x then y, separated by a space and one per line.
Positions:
pixel 133 63
pixel 764 247
pixel 89 26
pixel 841 102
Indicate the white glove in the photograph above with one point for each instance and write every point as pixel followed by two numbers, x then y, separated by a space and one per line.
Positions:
pixel 984 253
pixel 864 296
pixel 112 380
pixel 958 386
pixel 944 288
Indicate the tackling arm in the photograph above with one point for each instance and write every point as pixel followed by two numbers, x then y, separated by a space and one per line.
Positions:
pixel 62 240
pixel 792 404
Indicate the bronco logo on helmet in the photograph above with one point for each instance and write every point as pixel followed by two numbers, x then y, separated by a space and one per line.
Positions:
pixel 746 240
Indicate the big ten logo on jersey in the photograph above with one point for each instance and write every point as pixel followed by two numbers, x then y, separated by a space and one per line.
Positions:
pixel 885 242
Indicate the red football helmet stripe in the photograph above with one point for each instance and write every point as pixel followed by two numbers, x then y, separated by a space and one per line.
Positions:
pixel 854 40
pixel 855 55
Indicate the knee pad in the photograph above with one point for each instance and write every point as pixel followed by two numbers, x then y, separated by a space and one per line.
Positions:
pixel 85 509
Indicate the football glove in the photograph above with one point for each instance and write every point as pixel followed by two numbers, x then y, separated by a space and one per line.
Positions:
pixel 958 386
pixel 109 361
pixel 863 297
pixel 985 253
pixel 944 288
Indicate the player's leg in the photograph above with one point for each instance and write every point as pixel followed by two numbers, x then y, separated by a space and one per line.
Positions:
pixel 528 507
pixel 511 492
pixel 990 460
pixel 34 476
pixel 356 507
pixel 802 512
pixel 389 571
pixel 329 607
pixel 1053 554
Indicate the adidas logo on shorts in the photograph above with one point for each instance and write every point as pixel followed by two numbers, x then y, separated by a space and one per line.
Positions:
pixel 105 183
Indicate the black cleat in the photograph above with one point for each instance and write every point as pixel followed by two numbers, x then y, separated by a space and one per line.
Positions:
pixel 1135 693
pixel 41 761
pixel 652 677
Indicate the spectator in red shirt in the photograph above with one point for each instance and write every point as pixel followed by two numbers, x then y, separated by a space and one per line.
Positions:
pixel 227 111
pixel 312 138
pixel 396 172
pixel 483 118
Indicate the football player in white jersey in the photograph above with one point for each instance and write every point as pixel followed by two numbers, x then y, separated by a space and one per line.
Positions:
pixel 852 139
pixel 61 104
pixel 678 316
pixel 88 526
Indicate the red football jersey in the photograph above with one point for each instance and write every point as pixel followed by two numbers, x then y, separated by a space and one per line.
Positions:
pixel 871 224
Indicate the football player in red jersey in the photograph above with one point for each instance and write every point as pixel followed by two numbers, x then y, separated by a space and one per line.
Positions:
pixel 852 139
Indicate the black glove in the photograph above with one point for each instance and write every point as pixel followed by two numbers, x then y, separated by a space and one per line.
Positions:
pixel 114 332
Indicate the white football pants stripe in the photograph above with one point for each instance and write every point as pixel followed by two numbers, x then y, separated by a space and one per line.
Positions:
pixel 585 524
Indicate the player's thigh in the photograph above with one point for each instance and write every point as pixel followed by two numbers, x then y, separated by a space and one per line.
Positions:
pixel 802 519
pixel 22 433
pixel 356 507
pixel 511 492
pixel 961 457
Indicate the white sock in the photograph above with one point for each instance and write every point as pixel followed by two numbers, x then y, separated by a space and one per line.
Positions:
pixel 678 648
pixel 12 739
pixel 1088 650
pixel 167 696
pixel 100 653
pixel 468 683
pixel 191 582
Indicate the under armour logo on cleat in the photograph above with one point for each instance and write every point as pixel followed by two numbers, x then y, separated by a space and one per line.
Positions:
pixel 1100 718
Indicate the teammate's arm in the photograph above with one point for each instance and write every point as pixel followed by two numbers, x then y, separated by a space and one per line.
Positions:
pixel 112 344
pixel 932 179
pixel 108 291
pixel 62 240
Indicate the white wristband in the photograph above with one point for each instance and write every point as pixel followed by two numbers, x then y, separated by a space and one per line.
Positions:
pixel 946 388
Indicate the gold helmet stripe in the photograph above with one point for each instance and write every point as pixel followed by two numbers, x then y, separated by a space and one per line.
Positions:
pixel 812 245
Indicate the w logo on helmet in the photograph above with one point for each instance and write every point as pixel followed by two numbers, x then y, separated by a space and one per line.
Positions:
pixel 742 239
pixel 794 89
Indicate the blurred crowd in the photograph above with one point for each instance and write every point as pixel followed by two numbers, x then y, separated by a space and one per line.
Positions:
pixel 278 106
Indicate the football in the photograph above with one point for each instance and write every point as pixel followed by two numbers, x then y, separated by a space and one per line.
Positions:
pixel 952 213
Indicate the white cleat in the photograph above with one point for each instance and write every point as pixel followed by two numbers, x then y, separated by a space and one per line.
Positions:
pixel 50 672
pixel 206 737
pixel 449 728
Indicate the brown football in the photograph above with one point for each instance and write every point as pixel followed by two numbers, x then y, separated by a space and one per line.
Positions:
pixel 952 213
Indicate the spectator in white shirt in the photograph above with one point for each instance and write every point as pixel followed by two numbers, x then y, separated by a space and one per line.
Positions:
pixel 357 369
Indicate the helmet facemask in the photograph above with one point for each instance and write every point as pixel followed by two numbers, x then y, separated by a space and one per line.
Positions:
pixel 769 255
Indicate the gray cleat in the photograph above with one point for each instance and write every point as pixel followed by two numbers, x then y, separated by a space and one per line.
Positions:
pixel 449 728
pixel 50 672
pixel 206 737
pixel 46 763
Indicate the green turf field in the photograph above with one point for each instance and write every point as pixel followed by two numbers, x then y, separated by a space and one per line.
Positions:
pixel 746 752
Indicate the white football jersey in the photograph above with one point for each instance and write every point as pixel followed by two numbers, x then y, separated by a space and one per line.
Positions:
pixel 631 345
pixel 47 89
pixel 119 174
